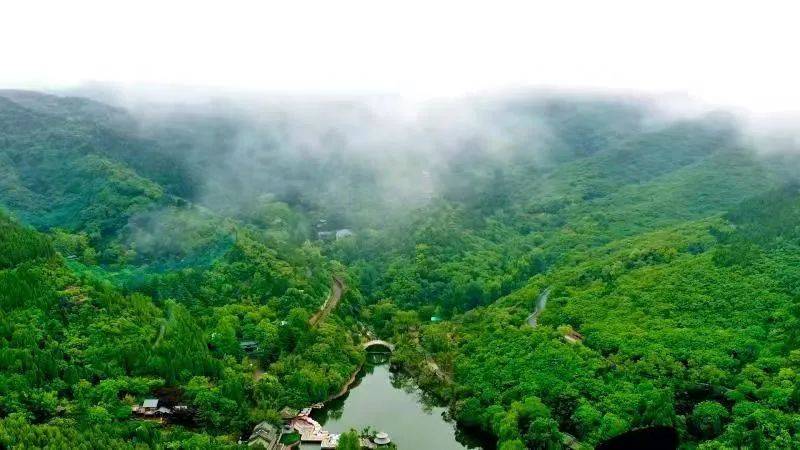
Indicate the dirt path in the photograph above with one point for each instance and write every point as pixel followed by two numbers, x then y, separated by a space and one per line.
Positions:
pixel 337 288
pixel 255 364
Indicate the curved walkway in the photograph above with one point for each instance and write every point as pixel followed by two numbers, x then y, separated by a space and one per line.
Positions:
pixel 337 288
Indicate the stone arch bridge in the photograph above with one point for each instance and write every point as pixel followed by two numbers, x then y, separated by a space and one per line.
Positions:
pixel 378 343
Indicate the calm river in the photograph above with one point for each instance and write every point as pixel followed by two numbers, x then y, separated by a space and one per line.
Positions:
pixel 393 403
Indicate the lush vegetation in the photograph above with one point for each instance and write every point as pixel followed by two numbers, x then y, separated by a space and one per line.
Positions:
pixel 672 253
pixel 137 254
pixel 131 294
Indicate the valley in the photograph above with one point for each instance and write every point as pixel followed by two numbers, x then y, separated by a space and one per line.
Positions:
pixel 550 271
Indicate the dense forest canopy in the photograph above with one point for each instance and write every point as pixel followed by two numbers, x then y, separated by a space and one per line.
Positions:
pixel 142 244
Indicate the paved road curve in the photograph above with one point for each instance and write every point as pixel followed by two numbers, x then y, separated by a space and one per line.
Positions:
pixel 541 302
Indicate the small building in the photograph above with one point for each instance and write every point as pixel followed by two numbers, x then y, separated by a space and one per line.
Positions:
pixel 329 442
pixel 366 443
pixel 265 435
pixel 288 413
pixel 326 235
pixel 344 233
pixel 381 438
pixel 249 346
pixel 149 407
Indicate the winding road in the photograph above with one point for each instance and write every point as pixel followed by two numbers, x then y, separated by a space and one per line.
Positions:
pixel 541 302
pixel 337 288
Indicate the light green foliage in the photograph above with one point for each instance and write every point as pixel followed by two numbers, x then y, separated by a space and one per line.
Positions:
pixel 82 345
pixel 684 295
pixel 670 250
pixel 349 441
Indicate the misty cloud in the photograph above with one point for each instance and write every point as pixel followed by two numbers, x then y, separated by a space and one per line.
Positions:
pixel 381 156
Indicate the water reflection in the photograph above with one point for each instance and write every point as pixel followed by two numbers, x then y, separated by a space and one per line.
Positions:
pixel 392 402
pixel 378 358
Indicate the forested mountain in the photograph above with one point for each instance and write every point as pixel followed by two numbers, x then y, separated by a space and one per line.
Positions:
pixel 139 246
pixel 133 290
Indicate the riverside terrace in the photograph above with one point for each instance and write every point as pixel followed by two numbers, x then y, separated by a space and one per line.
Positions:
pixel 267 436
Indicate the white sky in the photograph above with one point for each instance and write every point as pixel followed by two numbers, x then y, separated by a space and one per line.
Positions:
pixel 740 53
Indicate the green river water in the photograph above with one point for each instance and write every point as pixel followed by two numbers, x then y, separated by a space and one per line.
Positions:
pixel 393 403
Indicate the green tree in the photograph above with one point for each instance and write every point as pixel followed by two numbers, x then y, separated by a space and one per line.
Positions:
pixel 709 417
pixel 349 441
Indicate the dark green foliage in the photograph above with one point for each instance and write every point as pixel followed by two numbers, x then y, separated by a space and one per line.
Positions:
pixel 18 244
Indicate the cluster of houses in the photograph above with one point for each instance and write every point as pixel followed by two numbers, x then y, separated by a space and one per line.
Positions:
pixel 150 409
pixel 334 235
pixel 330 235
pixel 267 436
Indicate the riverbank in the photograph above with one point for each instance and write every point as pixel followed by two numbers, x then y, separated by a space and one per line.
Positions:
pixel 346 388
pixel 437 387
pixel 390 400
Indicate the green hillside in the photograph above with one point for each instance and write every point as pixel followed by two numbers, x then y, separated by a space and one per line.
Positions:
pixel 134 291
pixel 138 250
